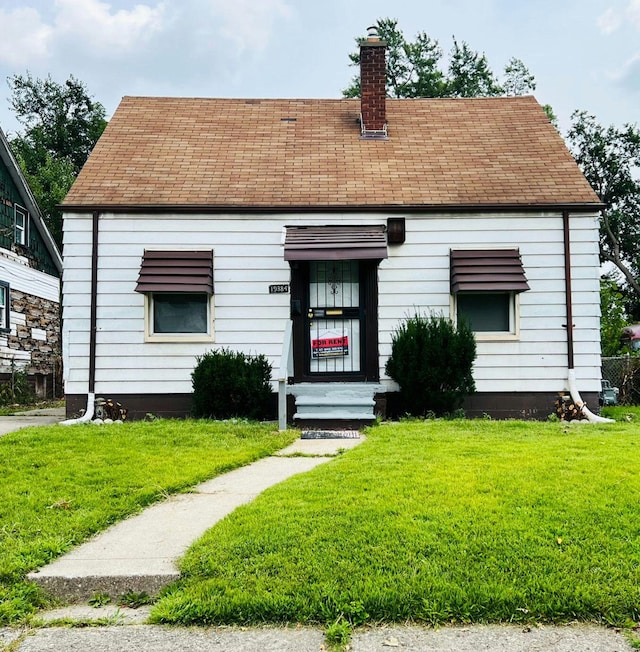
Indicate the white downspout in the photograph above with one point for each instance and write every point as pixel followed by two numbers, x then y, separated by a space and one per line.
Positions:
pixel 91 389
pixel 584 410
pixel 87 416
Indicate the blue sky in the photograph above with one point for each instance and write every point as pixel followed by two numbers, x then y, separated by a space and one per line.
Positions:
pixel 585 54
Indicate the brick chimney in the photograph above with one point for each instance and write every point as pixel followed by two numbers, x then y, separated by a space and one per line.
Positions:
pixel 373 81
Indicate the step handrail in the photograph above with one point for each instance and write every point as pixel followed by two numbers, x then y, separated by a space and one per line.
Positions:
pixel 285 370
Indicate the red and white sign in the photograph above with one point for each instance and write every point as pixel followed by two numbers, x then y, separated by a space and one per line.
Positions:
pixel 330 346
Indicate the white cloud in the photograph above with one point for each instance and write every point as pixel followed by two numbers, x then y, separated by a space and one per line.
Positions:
pixel 633 12
pixel 25 38
pixel 609 21
pixel 247 23
pixel 95 24
pixel 630 76
pixel 612 19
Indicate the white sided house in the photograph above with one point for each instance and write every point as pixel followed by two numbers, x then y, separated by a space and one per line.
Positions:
pixel 30 269
pixel 307 230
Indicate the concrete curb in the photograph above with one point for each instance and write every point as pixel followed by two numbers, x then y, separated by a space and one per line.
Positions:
pixel 153 638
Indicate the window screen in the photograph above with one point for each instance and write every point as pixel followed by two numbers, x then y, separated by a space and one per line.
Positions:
pixel 180 313
pixel 486 312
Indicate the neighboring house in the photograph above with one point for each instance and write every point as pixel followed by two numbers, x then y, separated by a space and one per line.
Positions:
pixel 205 223
pixel 30 269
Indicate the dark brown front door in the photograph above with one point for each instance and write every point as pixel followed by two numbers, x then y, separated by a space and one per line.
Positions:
pixel 335 320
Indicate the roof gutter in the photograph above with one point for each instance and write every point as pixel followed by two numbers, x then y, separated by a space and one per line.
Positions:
pixel 571 372
pixel 332 208
pixel 93 320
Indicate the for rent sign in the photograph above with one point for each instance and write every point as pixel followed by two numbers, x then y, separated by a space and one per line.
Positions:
pixel 329 347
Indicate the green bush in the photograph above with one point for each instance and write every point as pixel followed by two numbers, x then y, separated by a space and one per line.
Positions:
pixel 432 360
pixel 230 384
pixel 17 390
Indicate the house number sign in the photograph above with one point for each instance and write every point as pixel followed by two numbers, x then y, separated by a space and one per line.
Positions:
pixel 281 288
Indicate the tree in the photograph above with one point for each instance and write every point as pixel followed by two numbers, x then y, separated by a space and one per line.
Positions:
pixel 610 160
pixel 469 74
pixel 62 124
pixel 518 80
pixel 416 69
pixel 613 319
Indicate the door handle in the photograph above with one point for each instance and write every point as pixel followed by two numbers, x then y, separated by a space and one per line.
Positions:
pixel 310 314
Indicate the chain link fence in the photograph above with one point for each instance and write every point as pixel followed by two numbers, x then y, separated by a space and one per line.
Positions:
pixel 624 373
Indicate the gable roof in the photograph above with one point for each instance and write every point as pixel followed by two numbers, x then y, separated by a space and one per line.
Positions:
pixel 6 156
pixel 234 154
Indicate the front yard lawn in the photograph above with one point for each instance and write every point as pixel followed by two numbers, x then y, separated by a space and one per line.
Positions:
pixel 59 485
pixel 437 521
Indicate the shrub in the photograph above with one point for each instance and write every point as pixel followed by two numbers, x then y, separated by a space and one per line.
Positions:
pixel 231 384
pixel 432 360
pixel 17 390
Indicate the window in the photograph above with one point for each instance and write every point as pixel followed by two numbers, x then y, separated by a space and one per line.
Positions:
pixel 5 307
pixel 488 312
pixel 20 221
pixel 485 288
pixel 178 289
pixel 180 313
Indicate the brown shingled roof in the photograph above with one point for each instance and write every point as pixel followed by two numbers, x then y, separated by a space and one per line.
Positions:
pixel 284 154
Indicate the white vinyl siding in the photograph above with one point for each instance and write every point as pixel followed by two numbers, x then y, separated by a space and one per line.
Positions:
pixel 414 276
pixel 248 257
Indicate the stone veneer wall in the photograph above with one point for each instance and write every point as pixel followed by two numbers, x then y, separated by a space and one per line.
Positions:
pixel 33 345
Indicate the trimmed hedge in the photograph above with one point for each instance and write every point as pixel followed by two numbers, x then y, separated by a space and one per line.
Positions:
pixel 432 361
pixel 228 384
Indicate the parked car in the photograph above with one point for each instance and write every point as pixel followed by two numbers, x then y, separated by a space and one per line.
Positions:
pixel 631 336
pixel 609 394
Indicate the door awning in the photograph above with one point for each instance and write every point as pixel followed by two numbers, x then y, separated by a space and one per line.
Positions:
pixel 335 243
pixel 487 270
pixel 176 271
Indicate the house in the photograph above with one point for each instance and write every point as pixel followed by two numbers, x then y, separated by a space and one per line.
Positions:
pixel 30 270
pixel 252 223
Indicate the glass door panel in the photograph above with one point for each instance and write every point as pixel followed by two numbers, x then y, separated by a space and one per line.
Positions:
pixel 334 317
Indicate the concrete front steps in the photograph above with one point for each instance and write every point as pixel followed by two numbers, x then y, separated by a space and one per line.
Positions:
pixel 334 405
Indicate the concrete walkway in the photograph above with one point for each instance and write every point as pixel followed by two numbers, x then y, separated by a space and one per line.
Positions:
pixel 140 553
pixel 149 638
pixel 39 417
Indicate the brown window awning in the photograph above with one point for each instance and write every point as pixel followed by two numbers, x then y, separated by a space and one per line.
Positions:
pixel 176 271
pixel 335 243
pixel 487 270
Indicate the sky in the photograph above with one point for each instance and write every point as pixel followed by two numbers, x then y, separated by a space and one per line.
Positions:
pixel 584 54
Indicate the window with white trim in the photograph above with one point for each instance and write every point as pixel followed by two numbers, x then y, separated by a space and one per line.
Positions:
pixel 485 288
pixel 20 223
pixel 178 289
pixel 5 307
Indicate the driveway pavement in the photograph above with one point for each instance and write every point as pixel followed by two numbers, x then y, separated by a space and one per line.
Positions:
pixel 41 417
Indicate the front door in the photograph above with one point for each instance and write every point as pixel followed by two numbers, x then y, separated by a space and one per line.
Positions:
pixel 334 318
pixel 335 331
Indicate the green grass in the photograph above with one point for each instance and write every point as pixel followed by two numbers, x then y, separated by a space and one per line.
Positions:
pixel 622 413
pixel 59 485
pixel 458 521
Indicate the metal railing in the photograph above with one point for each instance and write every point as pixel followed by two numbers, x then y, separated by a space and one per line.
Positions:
pixel 285 370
